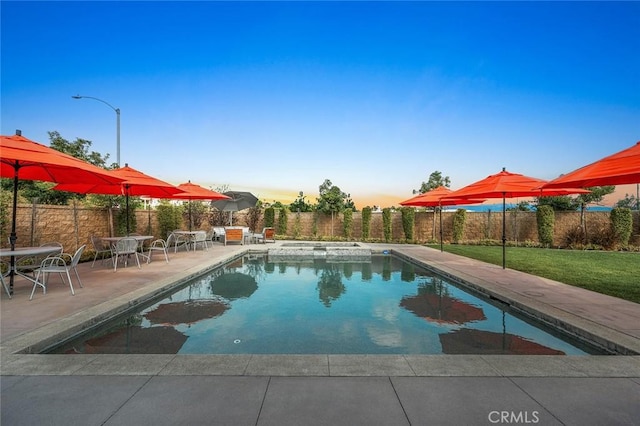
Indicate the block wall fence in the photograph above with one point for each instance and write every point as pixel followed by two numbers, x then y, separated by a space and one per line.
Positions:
pixel 73 225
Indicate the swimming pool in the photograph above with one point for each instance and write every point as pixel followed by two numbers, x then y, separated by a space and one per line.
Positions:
pixel 384 305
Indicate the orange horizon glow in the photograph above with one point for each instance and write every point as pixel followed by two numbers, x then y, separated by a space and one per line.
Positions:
pixel 386 200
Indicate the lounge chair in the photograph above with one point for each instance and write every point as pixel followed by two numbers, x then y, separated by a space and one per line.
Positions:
pixel 268 234
pixel 233 235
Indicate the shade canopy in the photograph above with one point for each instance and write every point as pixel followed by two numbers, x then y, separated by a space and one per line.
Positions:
pixel 22 158
pixel 238 200
pixel 435 198
pixel 134 183
pixel 509 185
pixel 191 191
pixel 620 168
pixel 28 160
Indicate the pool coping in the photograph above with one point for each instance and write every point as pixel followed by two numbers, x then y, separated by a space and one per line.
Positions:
pixel 324 365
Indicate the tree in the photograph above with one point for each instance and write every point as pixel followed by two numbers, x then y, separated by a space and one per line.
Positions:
pixel 300 204
pixel 435 180
pixel 332 200
pixel 629 201
pixel 79 149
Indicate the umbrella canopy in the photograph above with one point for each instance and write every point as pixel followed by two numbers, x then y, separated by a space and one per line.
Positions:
pixel 481 342
pixel 509 185
pixel 617 169
pixel 187 312
pixel 435 198
pixel 134 183
pixel 137 340
pixel 21 158
pixel 441 308
pixel 233 285
pixel 238 200
pixel 191 191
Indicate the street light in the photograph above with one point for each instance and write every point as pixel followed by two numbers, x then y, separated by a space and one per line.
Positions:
pixel 117 110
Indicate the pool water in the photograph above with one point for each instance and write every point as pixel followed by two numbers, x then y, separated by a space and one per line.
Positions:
pixel 382 306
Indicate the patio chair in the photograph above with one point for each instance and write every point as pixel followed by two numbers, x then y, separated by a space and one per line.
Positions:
pixel 158 245
pixel 210 237
pixel 61 264
pixel 124 248
pixel 32 263
pixel 218 233
pixel 5 265
pixel 200 237
pixel 100 248
pixel 267 234
pixel 176 241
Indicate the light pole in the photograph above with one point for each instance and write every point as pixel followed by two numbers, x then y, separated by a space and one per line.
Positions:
pixel 117 110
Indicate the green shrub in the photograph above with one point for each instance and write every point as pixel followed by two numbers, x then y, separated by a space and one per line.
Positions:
pixel 366 223
pixel 545 218
pixel 269 217
pixel 121 217
pixel 168 218
pixel 283 221
pixel 314 225
pixel 347 223
pixel 386 224
pixel 621 225
pixel 408 222
pixel 297 227
pixel 459 219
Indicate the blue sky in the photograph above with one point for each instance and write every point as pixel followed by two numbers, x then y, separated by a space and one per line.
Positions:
pixel 276 97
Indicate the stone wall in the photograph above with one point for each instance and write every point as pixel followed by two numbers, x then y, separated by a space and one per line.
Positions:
pixel 73 225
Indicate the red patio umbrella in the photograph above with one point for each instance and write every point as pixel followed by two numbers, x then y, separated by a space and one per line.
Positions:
pixel 191 191
pixel 435 198
pixel 134 183
pixel 509 185
pixel 617 169
pixel 22 158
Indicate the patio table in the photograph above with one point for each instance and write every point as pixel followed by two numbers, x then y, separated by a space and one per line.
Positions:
pixel 19 252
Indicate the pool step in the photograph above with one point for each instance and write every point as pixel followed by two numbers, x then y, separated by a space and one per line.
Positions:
pixel 329 253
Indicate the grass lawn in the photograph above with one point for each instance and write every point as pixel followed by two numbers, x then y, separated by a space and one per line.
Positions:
pixel 613 273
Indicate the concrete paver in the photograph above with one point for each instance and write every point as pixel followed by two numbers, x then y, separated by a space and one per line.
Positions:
pixel 313 389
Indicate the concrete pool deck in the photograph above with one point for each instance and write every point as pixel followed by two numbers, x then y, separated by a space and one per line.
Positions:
pixel 314 389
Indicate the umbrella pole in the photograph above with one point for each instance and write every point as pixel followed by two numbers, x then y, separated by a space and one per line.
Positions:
pixel 441 243
pixel 127 206
pixel 504 230
pixel 13 237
